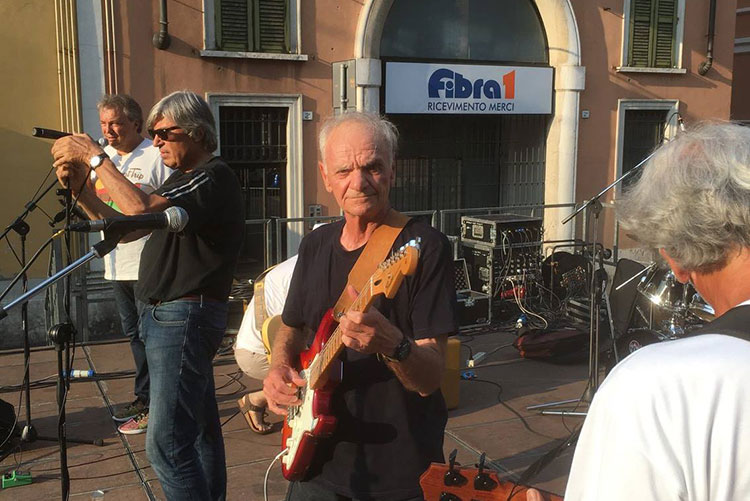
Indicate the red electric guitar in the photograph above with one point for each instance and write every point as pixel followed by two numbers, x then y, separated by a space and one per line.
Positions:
pixel 312 420
pixel 450 482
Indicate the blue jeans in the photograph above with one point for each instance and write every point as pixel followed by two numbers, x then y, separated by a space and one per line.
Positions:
pixel 184 442
pixel 129 309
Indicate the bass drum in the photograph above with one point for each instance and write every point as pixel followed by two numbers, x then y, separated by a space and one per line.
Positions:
pixel 630 342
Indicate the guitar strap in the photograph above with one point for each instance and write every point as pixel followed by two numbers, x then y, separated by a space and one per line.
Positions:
pixel 260 298
pixel 376 249
pixel 735 322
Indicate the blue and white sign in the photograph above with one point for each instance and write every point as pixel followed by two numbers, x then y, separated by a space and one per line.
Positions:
pixel 467 89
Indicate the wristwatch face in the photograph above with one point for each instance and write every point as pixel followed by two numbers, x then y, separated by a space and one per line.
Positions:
pixel 402 350
pixel 97 160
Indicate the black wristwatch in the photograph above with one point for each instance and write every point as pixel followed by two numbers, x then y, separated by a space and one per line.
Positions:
pixel 401 352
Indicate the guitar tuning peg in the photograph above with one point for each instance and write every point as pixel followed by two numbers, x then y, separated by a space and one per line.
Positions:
pixel 483 481
pixel 453 476
pixel 452 458
pixel 447 496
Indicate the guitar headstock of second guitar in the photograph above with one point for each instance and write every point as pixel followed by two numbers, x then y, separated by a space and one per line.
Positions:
pixel 452 482
pixel 391 272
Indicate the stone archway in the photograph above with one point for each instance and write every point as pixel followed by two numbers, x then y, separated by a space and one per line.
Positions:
pixel 564 56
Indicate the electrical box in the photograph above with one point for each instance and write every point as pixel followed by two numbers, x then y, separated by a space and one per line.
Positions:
pixel 314 210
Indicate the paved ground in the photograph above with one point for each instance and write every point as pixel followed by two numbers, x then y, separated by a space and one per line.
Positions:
pixel 491 418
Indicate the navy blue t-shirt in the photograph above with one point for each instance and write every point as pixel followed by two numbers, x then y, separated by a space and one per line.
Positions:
pixel 386 436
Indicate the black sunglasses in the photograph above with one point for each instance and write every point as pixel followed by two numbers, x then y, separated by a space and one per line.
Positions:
pixel 162 133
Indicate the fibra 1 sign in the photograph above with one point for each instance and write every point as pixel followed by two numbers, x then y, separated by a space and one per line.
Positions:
pixel 467 89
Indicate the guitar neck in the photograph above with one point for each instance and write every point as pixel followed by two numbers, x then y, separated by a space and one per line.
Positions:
pixel 334 345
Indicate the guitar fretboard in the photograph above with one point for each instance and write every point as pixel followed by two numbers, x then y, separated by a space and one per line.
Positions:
pixel 334 345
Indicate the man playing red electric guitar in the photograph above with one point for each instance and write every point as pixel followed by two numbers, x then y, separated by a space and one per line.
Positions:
pixel 390 414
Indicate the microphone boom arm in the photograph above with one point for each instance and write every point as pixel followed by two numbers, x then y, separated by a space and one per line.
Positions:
pixel 99 249
pixel 596 198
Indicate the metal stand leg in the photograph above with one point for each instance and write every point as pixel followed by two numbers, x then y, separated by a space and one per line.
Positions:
pixel 593 375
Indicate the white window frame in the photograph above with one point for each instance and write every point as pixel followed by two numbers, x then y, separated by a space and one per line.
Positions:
pixel 671 106
pixel 210 48
pixel 294 175
pixel 678 45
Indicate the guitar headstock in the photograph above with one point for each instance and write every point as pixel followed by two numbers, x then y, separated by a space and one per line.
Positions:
pixel 391 272
pixel 451 482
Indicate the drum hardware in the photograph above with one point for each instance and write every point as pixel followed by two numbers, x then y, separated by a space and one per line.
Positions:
pixel 663 290
pixel 664 310
pixel 700 309
pixel 647 269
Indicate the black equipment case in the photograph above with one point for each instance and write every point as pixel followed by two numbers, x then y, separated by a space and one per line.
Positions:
pixel 498 230
pixel 474 308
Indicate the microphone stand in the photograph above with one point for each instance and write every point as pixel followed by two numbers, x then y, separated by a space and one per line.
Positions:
pixel 594 206
pixel 61 335
pixel 22 228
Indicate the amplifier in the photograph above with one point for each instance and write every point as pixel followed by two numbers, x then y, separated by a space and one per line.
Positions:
pixel 487 266
pixel 502 229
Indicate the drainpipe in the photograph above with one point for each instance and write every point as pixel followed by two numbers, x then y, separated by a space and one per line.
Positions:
pixel 161 40
pixel 706 65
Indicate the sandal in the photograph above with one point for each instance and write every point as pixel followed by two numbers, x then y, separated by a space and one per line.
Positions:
pixel 247 409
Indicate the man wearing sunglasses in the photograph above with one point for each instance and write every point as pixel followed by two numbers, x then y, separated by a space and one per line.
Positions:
pixel 184 280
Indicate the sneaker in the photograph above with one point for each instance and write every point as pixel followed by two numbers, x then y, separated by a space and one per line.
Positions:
pixel 135 426
pixel 129 411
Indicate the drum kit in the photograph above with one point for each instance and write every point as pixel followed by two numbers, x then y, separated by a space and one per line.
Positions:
pixel 664 309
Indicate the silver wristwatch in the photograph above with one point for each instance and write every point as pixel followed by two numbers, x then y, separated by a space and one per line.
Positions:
pixel 97 160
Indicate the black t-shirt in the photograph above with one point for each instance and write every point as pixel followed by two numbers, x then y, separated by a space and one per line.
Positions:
pixel 201 258
pixel 386 436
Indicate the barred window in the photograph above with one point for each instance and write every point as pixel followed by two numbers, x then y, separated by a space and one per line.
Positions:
pixel 644 130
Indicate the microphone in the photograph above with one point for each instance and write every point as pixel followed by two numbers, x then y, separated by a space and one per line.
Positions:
pixel 56 134
pixel 48 133
pixel 174 220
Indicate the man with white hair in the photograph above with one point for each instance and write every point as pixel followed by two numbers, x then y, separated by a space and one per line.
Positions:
pixel 390 413
pixel 672 420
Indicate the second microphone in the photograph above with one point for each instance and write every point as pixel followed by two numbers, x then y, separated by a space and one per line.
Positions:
pixel 173 219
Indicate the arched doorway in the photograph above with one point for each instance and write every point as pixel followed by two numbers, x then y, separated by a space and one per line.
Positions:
pixel 556 23
pixel 460 149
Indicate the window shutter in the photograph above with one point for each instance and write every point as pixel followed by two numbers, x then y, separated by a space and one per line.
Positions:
pixel 271 33
pixel 666 19
pixel 640 33
pixel 233 24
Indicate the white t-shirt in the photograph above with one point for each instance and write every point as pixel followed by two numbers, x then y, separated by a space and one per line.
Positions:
pixel 671 422
pixel 275 288
pixel 142 167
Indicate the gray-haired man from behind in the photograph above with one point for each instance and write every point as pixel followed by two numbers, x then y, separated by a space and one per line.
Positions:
pixel 671 420
pixel 184 281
